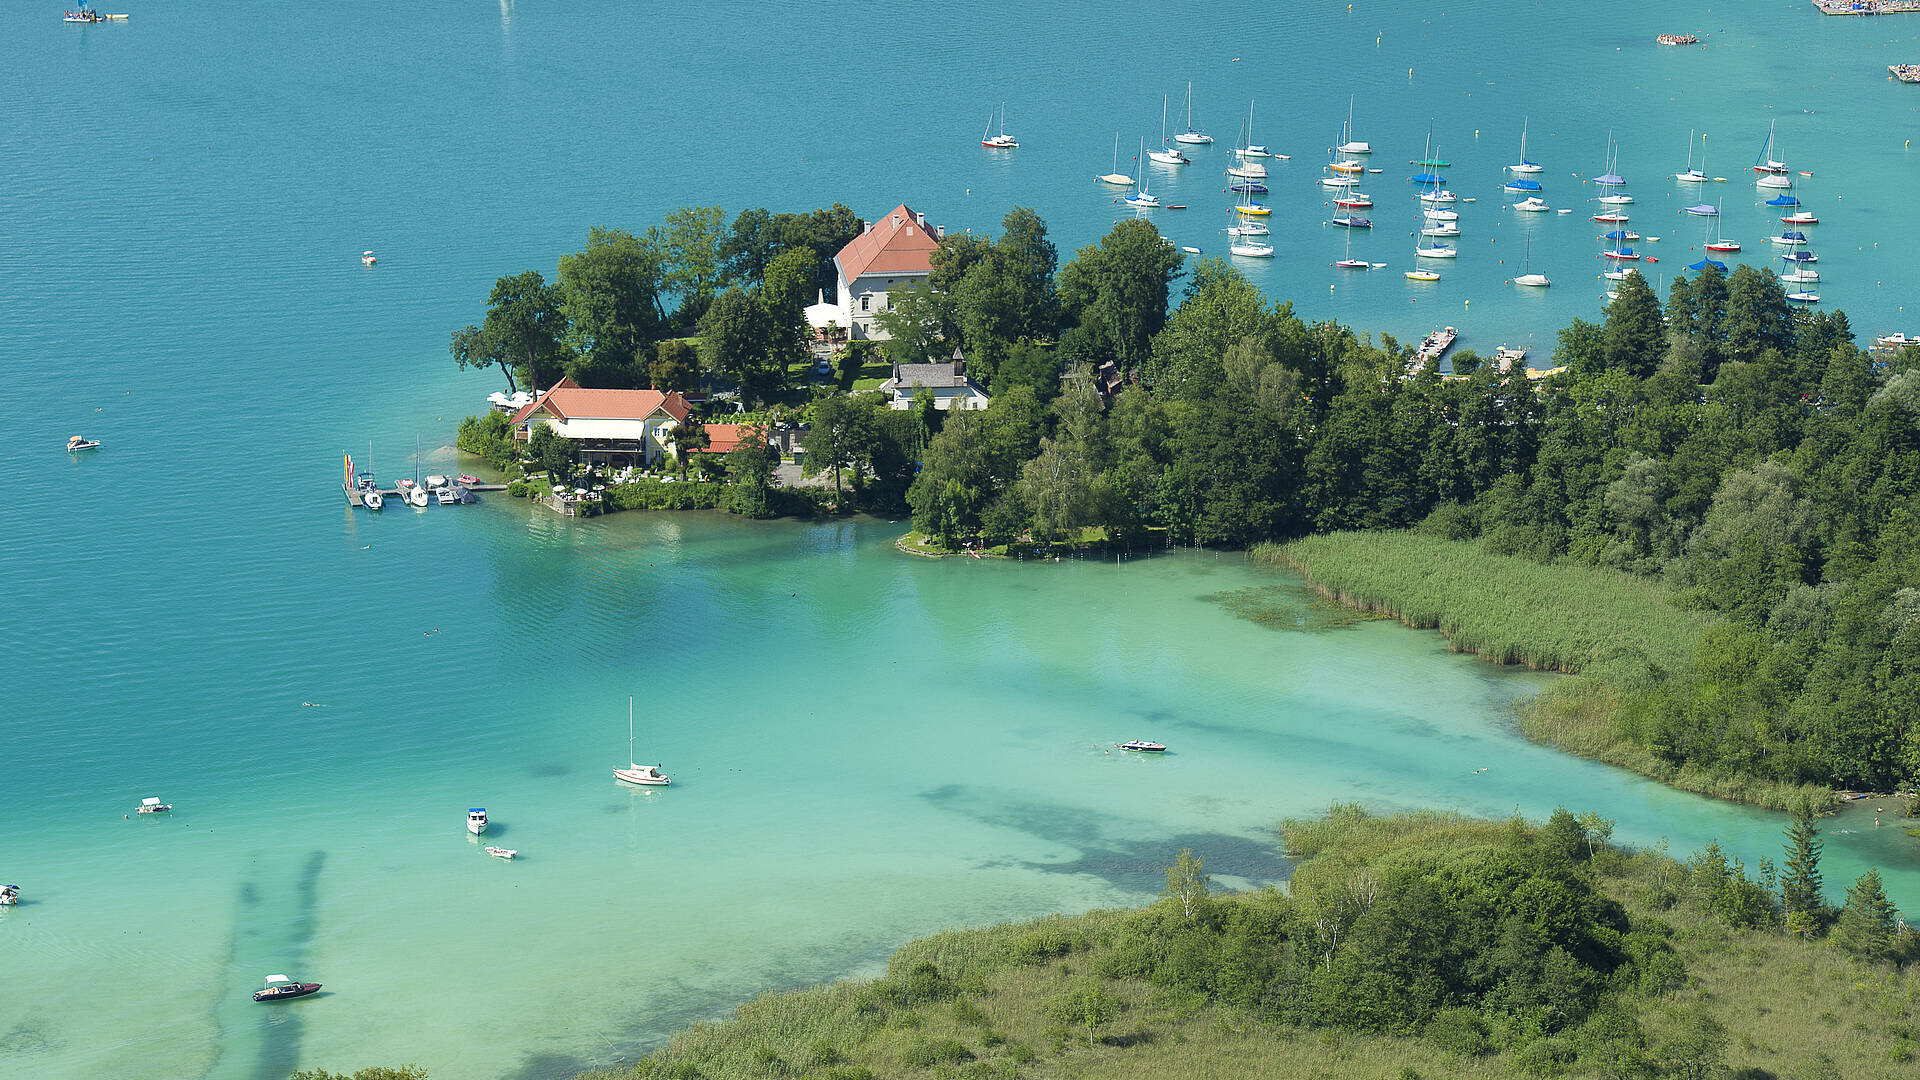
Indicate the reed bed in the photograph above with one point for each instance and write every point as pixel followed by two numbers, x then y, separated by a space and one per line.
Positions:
pixel 1554 617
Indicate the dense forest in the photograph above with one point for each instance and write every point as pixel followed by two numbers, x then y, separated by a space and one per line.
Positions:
pixel 1750 457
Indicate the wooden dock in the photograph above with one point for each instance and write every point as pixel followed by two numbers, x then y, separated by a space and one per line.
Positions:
pixel 398 496
pixel 1866 7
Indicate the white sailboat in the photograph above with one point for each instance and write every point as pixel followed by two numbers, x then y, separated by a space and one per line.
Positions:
pixel 1251 148
pixel 1116 177
pixel 1241 166
pixel 1141 199
pixel 644 775
pixel 1350 145
pixel 1524 166
pixel 1192 136
pixel 1165 154
pixel 1348 262
pixel 1694 175
pixel 1527 277
pixel 1002 141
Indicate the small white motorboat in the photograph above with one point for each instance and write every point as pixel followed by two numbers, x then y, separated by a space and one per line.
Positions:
pixel 367 259
pixel 9 895
pixel 1422 275
pixel 372 499
pixel 1142 746
pixel 80 442
pixel 502 852
pixel 477 820
pixel 151 805
pixel 1888 341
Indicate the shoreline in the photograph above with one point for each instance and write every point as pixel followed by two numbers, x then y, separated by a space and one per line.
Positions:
pixel 1564 715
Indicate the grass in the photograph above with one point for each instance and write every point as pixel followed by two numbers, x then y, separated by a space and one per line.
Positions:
pixel 986 1003
pixel 1617 633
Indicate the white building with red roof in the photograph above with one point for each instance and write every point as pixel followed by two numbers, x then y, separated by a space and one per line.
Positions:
pixel 616 427
pixel 895 252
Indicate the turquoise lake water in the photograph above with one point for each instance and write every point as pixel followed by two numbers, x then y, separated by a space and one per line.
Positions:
pixel 865 747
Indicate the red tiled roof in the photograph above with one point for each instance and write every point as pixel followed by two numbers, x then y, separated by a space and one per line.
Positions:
pixel 897 244
pixel 723 438
pixel 568 400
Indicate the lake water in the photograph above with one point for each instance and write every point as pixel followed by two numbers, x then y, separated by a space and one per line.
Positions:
pixel 865 746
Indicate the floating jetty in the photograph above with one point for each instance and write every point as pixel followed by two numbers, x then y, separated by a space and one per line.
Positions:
pixel 1678 39
pixel 1905 72
pixel 464 492
pixel 1865 7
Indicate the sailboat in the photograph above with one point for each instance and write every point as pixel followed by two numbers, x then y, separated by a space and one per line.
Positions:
pixel 1192 136
pixel 1167 155
pixel 1524 165
pixel 415 494
pixel 1242 241
pixel 1718 243
pixel 1694 175
pixel 644 775
pixel 1349 144
pixel 1349 262
pixel 1002 141
pixel 1241 166
pixel 1141 199
pixel 1117 177
pixel 1527 277
pixel 1766 163
pixel 1804 294
pixel 1432 248
pixel 1252 149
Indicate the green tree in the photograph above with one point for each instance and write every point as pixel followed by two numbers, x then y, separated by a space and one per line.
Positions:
pixel 1800 887
pixel 750 470
pixel 676 366
pixel 1187 884
pixel 524 322
pixel 954 485
pixel 1581 346
pixel 1028 261
pixel 610 295
pixel 789 286
pixel 688 436
pixel 1120 285
pixel 749 247
pixel 695 237
pixel 472 348
pixel 1758 317
pixel 554 453
pixel 1634 336
pixel 1221 309
pixel 911 322
pixel 736 338
pixel 1697 1047
pixel 841 436
pixel 1869 924
pixel 1031 365
pixel 1057 486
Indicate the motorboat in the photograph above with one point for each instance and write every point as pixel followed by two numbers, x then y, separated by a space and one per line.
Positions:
pixel 643 775
pixel 1143 746
pixel 501 852
pixel 80 442
pixel 1422 275
pixel 9 895
pixel 281 988
pixel 367 258
pixel 477 820
pixel 446 496
pixel 151 805
pixel 466 480
pixel 1251 249
pixel 1002 141
pixel 407 483
pixel 1896 341
pixel 1532 204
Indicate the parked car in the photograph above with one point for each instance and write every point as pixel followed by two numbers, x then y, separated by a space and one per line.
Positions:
pixel 823 369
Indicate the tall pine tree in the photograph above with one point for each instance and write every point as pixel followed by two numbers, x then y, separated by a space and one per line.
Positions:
pixel 1868 923
pixel 1800 894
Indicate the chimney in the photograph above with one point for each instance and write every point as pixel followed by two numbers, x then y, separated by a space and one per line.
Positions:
pixel 940 232
pixel 866 227
pixel 896 223
pixel 920 219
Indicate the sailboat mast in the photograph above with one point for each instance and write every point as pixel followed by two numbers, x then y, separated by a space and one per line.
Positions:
pixel 629 730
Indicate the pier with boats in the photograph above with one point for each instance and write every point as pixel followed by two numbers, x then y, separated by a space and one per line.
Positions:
pixel 1866 7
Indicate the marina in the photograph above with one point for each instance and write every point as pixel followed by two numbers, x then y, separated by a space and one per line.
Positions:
pixel 1866 7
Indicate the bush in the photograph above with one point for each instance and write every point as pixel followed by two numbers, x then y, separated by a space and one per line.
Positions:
pixel 490 436
pixel 657 495
pixel 1549 1056
pixel 922 984
pixel 1458 1031
pixel 925 1055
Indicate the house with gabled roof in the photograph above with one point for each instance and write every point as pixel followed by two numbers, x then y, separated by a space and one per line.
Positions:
pixel 948 384
pixel 895 252
pixel 613 427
